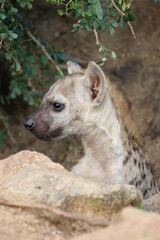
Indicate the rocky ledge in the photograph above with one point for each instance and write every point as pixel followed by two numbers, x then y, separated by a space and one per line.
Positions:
pixel 32 179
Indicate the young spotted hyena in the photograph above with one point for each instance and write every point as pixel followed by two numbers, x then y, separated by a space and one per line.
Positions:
pixel 86 103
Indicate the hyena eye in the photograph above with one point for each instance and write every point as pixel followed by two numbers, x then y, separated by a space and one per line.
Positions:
pixel 57 106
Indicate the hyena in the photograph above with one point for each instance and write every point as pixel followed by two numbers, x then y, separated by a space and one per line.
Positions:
pixel 86 103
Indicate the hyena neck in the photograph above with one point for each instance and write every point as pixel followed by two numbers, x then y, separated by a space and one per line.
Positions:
pixel 118 150
pixel 103 134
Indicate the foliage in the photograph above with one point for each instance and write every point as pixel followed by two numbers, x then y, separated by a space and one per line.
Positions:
pixel 142 208
pixel 27 64
pixel 94 15
pixel 26 77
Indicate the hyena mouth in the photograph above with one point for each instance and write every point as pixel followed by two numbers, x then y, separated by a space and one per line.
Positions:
pixel 49 136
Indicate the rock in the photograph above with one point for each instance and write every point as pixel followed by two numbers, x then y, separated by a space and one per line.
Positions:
pixel 31 177
pixel 20 224
pixel 134 224
pixel 152 203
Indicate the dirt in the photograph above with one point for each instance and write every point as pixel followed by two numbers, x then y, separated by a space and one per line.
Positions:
pixel 137 76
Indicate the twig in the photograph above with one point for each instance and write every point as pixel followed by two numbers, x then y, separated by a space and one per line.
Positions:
pixel 96 36
pixel 2 5
pixel 67 6
pixel 58 212
pixel 129 24
pixel 45 52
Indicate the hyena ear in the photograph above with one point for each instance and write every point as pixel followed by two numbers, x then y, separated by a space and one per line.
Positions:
pixel 96 81
pixel 74 67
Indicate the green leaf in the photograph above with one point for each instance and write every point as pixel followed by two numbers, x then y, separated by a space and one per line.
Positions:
pixel 142 208
pixel 75 26
pixel 14 9
pixel 92 19
pixel 3 16
pixel 26 98
pixel 44 60
pixel 113 54
pixel 100 49
pixel 110 6
pixel 22 4
pixel 18 91
pixel 105 26
pixel 30 59
pixel 8 56
pixel 126 18
pixel 104 59
pixel 123 6
pixel 83 14
pixel 105 12
pixel 105 19
pixel 131 16
pixel 18 67
pixel 114 24
pixel 101 64
pixel 60 12
pixel 111 30
pixel 14 35
pixel 88 27
pixel 4 35
pixel 89 14
pixel 118 18
pixel 34 70
pixel 123 24
pixel 99 11
pixel 96 25
pixel 31 101
pixel 29 5
pixel 112 14
pixel 106 53
pixel 13 94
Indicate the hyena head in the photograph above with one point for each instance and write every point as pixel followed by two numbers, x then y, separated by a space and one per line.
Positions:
pixel 65 107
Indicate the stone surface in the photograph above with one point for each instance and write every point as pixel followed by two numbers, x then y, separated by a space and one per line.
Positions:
pixel 134 225
pixel 31 177
pixel 20 224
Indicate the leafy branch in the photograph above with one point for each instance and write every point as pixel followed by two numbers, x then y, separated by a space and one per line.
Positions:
pixel 45 52
pixel 97 15
pixel 27 65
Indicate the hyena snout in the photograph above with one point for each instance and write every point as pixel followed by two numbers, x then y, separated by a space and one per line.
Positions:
pixel 29 123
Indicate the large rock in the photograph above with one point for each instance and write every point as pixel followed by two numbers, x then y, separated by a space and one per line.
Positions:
pixel 31 177
pixel 24 224
pixel 134 225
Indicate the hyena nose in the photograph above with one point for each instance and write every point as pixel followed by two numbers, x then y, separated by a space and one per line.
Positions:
pixel 29 123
